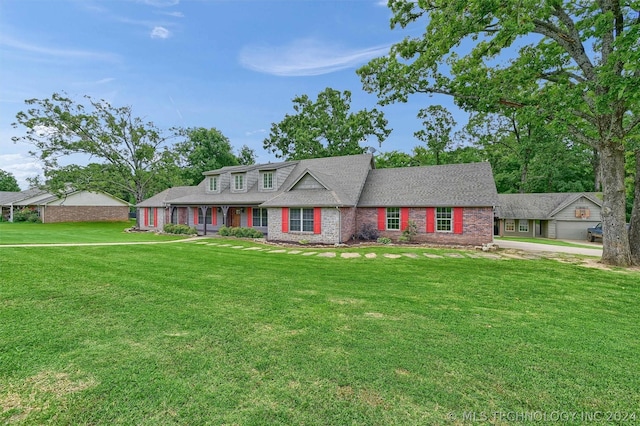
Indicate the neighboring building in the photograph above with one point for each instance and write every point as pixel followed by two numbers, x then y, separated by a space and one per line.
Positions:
pixel 330 200
pixel 547 215
pixel 74 206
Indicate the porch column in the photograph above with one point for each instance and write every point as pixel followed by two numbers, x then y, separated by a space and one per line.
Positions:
pixel 203 209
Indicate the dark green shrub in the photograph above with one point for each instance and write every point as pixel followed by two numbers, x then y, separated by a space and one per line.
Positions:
pixel 26 215
pixel 368 231
pixel 227 231
pixel 170 228
pixel 410 232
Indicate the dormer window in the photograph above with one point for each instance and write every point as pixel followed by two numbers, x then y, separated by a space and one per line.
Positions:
pixel 238 182
pixel 267 180
pixel 213 184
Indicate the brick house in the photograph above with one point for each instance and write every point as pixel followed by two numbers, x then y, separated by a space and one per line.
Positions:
pixel 74 206
pixel 331 200
pixel 565 215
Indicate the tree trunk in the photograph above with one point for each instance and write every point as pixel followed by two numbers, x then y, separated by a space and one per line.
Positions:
pixel 597 171
pixel 634 231
pixel 615 238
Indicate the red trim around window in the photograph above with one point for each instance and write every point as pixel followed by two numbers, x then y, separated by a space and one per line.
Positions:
pixel 382 218
pixel 431 219
pixel 457 220
pixel 249 217
pixel 155 217
pixel 317 220
pixel 285 220
pixel 214 215
pixel 404 218
pixel 146 217
pixel 195 215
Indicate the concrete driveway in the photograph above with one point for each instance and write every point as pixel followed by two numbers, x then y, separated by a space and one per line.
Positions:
pixel 519 245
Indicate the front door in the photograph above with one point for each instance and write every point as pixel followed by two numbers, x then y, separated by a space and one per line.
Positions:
pixel 234 217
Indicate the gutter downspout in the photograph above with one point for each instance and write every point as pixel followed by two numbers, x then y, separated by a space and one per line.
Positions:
pixel 339 225
pixel 11 212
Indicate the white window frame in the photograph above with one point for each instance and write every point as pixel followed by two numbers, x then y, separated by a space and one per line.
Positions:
pixel 510 225
pixel 238 178
pixel 523 225
pixel 301 220
pixel 268 176
pixel 261 215
pixel 213 183
pixel 444 219
pixel 393 219
pixel 152 216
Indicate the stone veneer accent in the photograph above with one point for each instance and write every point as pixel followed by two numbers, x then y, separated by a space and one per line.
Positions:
pixel 477 226
pixel 55 214
pixel 331 229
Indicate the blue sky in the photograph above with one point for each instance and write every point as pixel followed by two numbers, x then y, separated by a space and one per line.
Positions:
pixel 234 65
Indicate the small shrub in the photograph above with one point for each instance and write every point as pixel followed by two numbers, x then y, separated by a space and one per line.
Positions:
pixel 228 231
pixel 303 242
pixel 170 228
pixel 26 215
pixel 410 232
pixel 384 240
pixel 368 232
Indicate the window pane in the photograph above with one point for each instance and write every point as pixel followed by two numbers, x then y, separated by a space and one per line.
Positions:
pixel 443 219
pixel 267 180
pixel 393 218
pixel 295 219
pixel 307 220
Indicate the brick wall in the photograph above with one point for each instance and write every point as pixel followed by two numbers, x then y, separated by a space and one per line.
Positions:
pixel 54 214
pixel 477 226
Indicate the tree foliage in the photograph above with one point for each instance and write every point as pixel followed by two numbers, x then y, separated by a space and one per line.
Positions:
pixel 207 149
pixel 135 151
pixel 8 182
pixel 572 63
pixel 438 124
pixel 325 128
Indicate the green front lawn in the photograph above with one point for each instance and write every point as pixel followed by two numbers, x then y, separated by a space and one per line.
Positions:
pixel 80 232
pixel 190 333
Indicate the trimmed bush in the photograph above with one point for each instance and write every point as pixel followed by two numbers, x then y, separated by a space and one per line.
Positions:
pixel 384 240
pixel 228 231
pixel 170 228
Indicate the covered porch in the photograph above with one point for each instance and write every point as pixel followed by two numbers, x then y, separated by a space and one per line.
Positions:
pixel 208 219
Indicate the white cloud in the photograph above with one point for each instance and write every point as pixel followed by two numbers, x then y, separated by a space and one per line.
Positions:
pixel 56 52
pixel 160 32
pixel 173 14
pixel 255 132
pixel 21 167
pixel 161 3
pixel 305 57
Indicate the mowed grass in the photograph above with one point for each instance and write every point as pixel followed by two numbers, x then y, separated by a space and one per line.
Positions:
pixel 188 333
pixel 77 232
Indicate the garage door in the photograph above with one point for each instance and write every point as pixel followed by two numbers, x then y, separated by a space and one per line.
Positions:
pixel 573 230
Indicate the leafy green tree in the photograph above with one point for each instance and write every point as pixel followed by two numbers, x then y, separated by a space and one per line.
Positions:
pixel 246 156
pixel 571 62
pixel 325 128
pixel 203 150
pixel 8 182
pixel 393 159
pixel 135 151
pixel 438 123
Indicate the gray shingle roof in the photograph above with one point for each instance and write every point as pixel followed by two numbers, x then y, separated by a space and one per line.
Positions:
pixel 8 197
pixel 538 206
pixel 161 198
pixel 459 185
pixel 344 176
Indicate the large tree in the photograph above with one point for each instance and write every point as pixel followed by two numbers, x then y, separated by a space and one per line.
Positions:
pixel 208 149
pixel 8 182
pixel 436 134
pixel 325 128
pixel 135 151
pixel 575 63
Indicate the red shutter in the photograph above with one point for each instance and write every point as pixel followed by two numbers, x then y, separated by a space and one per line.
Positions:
pixel 431 219
pixel 195 215
pixel 214 215
pixel 317 220
pixel 404 218
pixel 285 220
pixel 382 219
pixel 146 217
pixel 155 217
pixel 249 217
pixel 457 220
